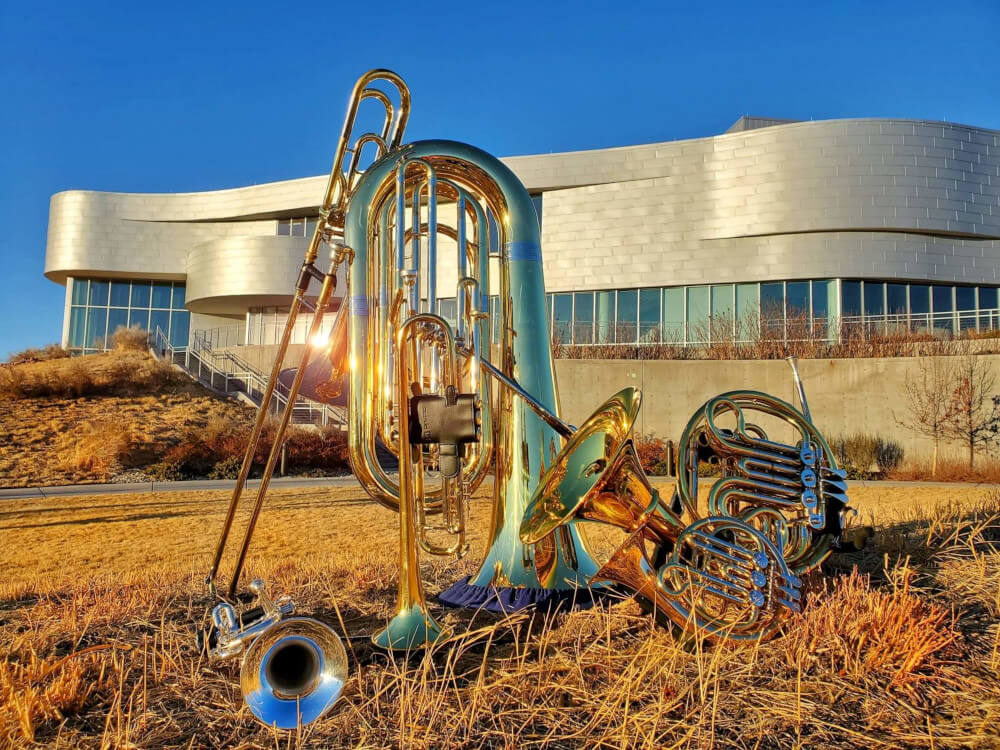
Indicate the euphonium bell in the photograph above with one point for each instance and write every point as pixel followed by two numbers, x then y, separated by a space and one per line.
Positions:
pixel 718 575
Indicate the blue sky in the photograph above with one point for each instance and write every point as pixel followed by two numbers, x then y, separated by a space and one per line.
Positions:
pixel 168 97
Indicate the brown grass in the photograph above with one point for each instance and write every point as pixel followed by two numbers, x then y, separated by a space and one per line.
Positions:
pixel 88 418
pixel 898 647
pixel 949 469
pixel 140 411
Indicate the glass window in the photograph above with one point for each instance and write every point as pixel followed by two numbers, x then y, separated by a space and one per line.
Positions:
pixel 605 316
pixel 850 298
pixel 722 312
pixel 138 318
pixel 161 296
pixel 697 313
pixel 97 319
pixel 180 322
pixel 563 317
pixel 895 299
pixel 311 227
pixel 99 293
pixel 988 314
pixel 140 294
pixel 824 308
pixel 673 314
pixel 722 301
pixel 943 308
pixel 80 287
pixel 895 305
pixel 583 318
pixel 874 298
pixel 117 318
pixel 987 298
pixel 965 304
pixel 628 315
pixel 159 319
pixel 748 311
pixel 797 299
pixel 649 314
pixel 772 307
pixel 298 227
pixel 920 307
pixel 77 319
pixel 119 294
pixel 284 227
pixel 178 298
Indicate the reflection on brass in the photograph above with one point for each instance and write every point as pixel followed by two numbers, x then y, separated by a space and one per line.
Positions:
pixel 728 574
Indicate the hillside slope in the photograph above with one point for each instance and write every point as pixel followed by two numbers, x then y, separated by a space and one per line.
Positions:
pixel 89 418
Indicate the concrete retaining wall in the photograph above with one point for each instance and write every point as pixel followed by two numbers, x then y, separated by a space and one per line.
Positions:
pixel 845 395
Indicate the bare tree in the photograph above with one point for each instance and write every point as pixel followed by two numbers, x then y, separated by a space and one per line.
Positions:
pixel 973 412
pixel 929 393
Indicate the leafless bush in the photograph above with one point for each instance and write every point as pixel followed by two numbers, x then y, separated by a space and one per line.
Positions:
pixel 52 351
pixel 130 339
pixel 750 336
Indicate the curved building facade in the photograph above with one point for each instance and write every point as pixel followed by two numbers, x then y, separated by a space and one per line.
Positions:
pixel 769 221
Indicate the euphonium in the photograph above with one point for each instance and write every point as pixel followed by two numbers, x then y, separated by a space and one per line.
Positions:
pixel 717 576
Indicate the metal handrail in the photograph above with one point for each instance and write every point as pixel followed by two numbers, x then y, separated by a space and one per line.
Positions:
pixel 202 359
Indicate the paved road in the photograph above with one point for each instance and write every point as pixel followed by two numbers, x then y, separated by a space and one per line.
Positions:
pixel 190 486
pixel 295 482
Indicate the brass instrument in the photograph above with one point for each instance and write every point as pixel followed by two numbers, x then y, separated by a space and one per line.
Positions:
pixel 732 571
pixel 718 576
pixel 293 670
pixel 793 493
pixel 417 387
pixel 454 402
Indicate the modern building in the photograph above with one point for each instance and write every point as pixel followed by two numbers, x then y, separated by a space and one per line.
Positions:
pixel 772 221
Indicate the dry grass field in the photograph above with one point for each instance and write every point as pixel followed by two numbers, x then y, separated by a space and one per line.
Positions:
pixel 898 646
pixel 83 419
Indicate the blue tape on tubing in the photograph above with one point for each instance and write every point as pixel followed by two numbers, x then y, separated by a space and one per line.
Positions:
pixel 524 251
pixel 359 305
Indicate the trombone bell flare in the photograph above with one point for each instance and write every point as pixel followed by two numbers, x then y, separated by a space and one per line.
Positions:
pixel 293 673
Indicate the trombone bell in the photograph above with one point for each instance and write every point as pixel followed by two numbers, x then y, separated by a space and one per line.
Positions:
pixel 293 673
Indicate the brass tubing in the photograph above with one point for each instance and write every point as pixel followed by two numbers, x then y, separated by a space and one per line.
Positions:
pixel 272 381
pixel 329 283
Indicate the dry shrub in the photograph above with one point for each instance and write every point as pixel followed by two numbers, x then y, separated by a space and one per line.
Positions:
pixel 949 469
pixel 101 447
pixel 873 633
pixel 52 351
pixel 133 339
pixel 652 452
pixel 121 372
pixel 215 448
pixel 11 383
pixel 728 337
